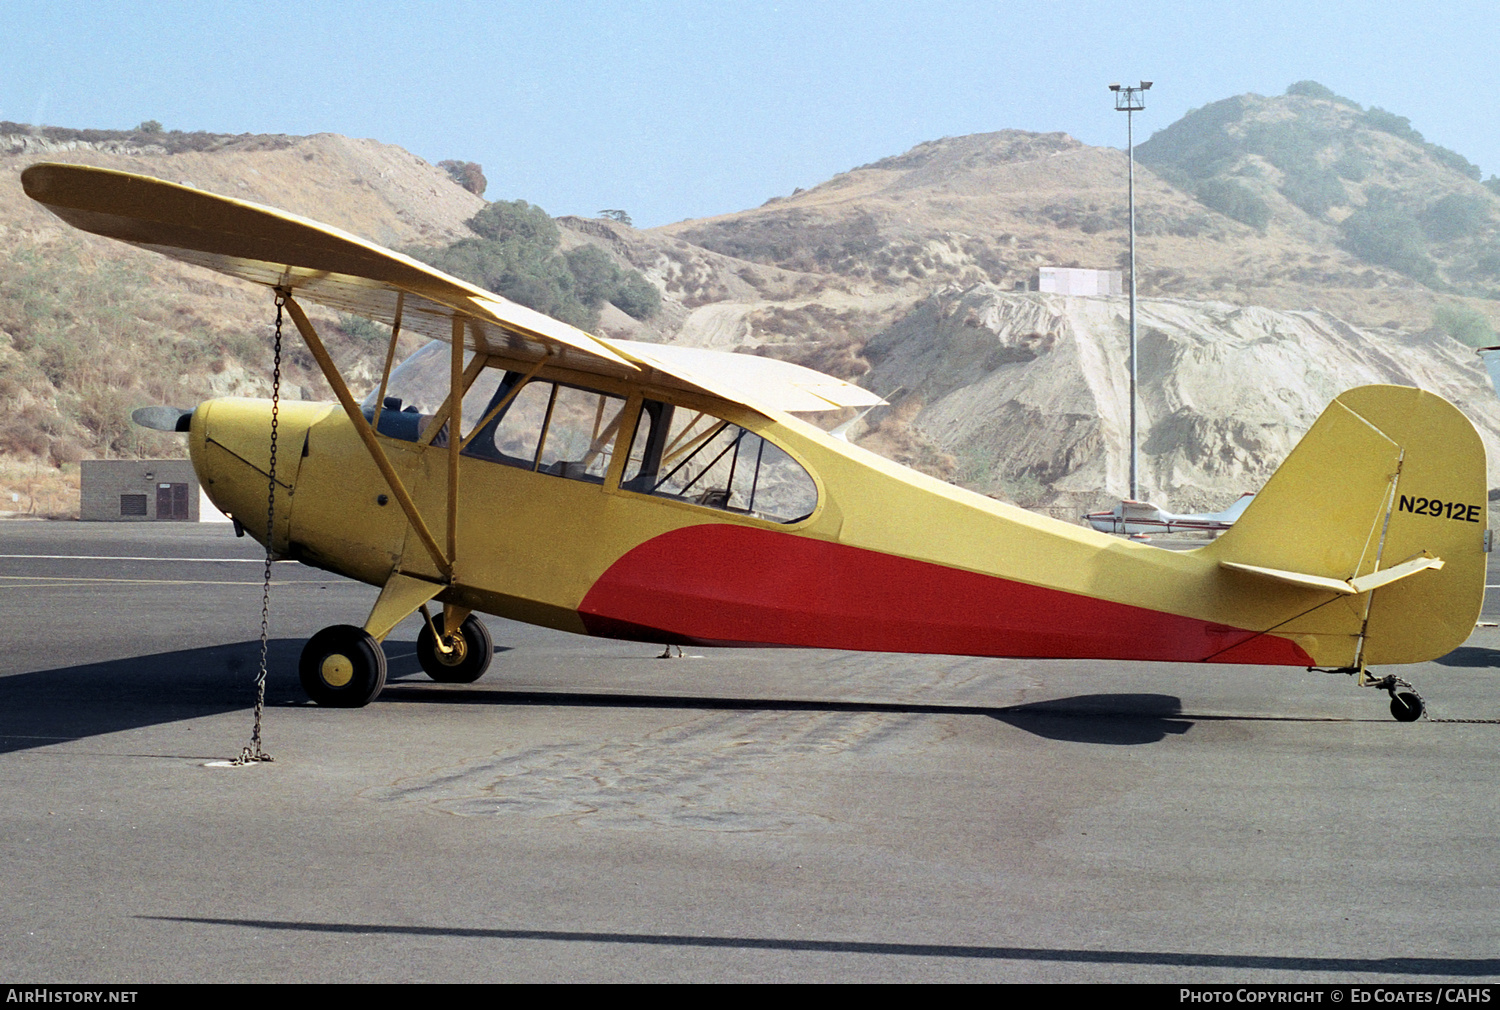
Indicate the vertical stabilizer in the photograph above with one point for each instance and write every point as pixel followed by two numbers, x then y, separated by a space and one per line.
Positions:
pixel 1386 475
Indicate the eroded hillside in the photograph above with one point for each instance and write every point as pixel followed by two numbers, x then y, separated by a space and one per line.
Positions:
pixel 1029 393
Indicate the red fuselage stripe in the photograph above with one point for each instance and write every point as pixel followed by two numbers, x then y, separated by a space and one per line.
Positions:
pixel 724 584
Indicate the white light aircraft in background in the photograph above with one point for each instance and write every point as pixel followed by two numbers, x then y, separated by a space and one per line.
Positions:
pixel 1139 518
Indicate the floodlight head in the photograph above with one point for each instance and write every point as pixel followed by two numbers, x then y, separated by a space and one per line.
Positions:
pixel 1145 85
pixel 1114 87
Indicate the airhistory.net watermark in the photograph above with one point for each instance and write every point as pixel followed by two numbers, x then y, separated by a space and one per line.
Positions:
pixel 68 994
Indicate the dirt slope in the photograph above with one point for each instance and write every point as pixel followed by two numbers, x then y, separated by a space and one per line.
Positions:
pixel 1029 392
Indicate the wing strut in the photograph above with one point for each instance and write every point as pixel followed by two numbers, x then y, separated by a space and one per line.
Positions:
pixel 505 401
pixel 456 389
pixel 367 434
pixel 390 357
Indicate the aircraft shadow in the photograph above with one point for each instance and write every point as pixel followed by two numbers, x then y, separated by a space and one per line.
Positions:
pixel 52 706
pixel 1471 656
pixel 1118 719
pixel 1115 719
pixel 1454 967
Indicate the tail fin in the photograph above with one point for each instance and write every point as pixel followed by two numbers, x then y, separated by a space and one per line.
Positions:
pixel 1387 475
pixel 1236 510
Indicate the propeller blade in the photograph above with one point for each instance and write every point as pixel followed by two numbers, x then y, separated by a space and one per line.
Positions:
pixel 163 418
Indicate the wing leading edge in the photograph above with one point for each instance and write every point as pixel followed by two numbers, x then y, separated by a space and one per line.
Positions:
pixel 320 263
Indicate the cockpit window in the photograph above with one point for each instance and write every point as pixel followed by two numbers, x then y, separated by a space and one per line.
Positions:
pixel 695 457
pixel 569 431
pixel 419 386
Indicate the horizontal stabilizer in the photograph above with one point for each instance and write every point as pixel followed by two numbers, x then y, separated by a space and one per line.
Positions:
pixel 1375 580
pixel 1344 587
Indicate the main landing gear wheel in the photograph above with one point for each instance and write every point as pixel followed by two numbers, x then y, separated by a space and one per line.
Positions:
pixel 342 667
pixel 470 651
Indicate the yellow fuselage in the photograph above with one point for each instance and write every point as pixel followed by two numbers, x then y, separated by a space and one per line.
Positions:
pixel 890 559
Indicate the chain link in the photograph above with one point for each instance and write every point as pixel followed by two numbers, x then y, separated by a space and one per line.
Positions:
pixel 254 752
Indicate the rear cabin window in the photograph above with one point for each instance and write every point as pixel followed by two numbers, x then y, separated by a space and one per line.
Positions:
pixel 695 457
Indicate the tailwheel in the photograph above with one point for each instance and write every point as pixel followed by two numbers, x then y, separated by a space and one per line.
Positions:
pixel 468 656
pixel 342 667
pixel 1406 706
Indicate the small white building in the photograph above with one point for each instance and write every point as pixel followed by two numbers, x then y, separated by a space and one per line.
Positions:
pixel 1078 281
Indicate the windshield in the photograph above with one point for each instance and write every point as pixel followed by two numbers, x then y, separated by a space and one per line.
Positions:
pixel 420 382
pixel 418 387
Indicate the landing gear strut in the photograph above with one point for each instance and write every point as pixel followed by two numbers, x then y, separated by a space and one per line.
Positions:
pixel 1406 706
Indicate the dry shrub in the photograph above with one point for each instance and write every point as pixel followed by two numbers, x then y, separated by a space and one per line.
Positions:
pixel 893 437
pixel 817 337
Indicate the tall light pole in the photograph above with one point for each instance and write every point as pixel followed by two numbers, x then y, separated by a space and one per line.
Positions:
pixel 1131 100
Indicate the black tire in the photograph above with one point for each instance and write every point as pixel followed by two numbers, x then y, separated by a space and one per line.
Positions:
pixel 472 658
pixel 1406 707
pixel 342 667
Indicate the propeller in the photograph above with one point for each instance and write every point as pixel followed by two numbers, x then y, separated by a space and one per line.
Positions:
pixel 163 418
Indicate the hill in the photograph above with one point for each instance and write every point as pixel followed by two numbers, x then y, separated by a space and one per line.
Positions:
pixel 90 329
pixel 878 274
pixel 1323 168
pixel 1027 394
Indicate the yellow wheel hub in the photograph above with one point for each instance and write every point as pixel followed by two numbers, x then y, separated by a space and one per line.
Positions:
pixel 458 651
pixel 336 670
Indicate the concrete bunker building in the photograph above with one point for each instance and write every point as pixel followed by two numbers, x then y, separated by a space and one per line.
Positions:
pixel 143 490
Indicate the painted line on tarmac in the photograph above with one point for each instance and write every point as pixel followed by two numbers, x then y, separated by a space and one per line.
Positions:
pixel 112 557
pixel 51 581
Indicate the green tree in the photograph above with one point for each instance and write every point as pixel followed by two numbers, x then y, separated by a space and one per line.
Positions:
pixel 516 220
pixel 1314 189
pixel 1382 232
pixel 1455 216
pixel 1310 89
pixel 597 280
pixel 515 254
pixel 1464 325
pixel 1389 122
pixel 1232 199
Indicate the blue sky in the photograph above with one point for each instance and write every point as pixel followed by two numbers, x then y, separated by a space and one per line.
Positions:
pixel 674 110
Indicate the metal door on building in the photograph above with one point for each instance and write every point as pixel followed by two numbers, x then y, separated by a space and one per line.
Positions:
pixel 171 501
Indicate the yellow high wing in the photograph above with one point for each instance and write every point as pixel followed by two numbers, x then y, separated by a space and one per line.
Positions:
pixel 307 259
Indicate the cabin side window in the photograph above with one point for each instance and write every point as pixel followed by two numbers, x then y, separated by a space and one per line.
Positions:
pixel 550 428
pixel 692 456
